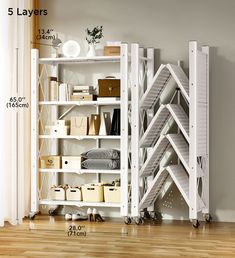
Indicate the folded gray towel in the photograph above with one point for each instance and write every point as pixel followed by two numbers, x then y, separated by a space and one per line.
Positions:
pixel 104 164
pixel 101 153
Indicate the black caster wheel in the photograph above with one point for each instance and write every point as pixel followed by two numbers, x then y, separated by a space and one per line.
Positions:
pixel 127 220
pixel 208 218
pixel 32 215
pixel 139 221
pixel 52 212
pixel 153 216
pixel 146 215
pixel 196 223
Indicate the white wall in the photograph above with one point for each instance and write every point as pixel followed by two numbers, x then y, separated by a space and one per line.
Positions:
pixel 168 25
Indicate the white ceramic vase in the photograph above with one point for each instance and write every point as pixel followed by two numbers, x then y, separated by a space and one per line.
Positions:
pixel 91 51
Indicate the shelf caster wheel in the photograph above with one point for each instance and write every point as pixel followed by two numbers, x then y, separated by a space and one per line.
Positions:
pixel 146 215
pixel 196 223
pixel 139 221
pixel 32 215
pixel 127 220
pixel 208 217
pixel 153 216
pixel 52 212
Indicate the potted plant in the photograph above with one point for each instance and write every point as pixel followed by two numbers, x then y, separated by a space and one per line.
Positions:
pixel 93 37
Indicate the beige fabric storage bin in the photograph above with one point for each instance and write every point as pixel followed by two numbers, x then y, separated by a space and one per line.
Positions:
pixel 57 193
pixel 112 194
pixel 73 194
pixel 53 162
pixel 93 193
pixel 71 162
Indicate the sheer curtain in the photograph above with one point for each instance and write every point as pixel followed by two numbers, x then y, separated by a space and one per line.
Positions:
pixel 15 35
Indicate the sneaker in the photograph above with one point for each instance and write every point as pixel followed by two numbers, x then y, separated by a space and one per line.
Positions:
pixel 68 216
pixel 79 216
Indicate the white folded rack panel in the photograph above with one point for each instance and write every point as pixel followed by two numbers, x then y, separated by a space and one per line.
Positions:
pixel 189 141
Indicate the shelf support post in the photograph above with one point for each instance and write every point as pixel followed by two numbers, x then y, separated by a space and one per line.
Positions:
pixel 193 192
pixel 150 74
pixel 205 186
pixel 135 126
pixel 34 130
pixel 124 129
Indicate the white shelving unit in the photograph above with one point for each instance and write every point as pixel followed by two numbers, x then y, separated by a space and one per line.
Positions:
pixel 152 139
pixel 37 64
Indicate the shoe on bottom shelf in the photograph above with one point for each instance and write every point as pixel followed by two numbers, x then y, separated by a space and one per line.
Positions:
pixel 68 216
pixel 96 216
pixel 79 216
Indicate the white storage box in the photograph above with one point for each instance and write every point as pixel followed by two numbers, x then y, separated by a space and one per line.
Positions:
pixel 112 194
pixel 57 193
pixel 62 122
pixel 93 193
pixel 73 194
pixel 71 162
pixel 57 130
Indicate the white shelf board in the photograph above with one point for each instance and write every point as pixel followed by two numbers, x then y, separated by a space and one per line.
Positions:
pixel 80 171
pixel 85 137
pixel 81 103
pixel 80 203
pixel 82 59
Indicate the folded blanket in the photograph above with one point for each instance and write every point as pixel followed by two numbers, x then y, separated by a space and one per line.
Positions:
pixel 101 153
pixel 104 164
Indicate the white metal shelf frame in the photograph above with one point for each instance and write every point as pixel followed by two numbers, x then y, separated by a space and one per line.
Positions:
pixel 193 152
pixel 36 81
pixel 141 71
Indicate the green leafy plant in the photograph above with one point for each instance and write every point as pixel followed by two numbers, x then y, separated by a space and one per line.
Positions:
pixel 94 35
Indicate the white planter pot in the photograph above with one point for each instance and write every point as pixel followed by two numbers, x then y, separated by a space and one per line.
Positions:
pixel 91 51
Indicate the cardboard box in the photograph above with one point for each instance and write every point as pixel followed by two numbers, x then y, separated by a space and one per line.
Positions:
pixel 112 194
pixel 112 50
pixel 57 193
pixel 93 193
pixel 74 194
pixel 71 162
pixel 82 97
pixel 79 125
pixel 50 162
pixel 56 130
pixel 109 87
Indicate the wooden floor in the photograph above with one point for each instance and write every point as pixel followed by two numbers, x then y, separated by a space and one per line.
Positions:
pixel 48 237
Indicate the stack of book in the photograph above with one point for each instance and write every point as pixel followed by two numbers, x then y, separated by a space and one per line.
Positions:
pixel 59 91
pixel 83 92
pixel 64 92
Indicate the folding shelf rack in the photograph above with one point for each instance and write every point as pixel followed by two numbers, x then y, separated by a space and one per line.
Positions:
pixel 38 139
pixel 152 123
